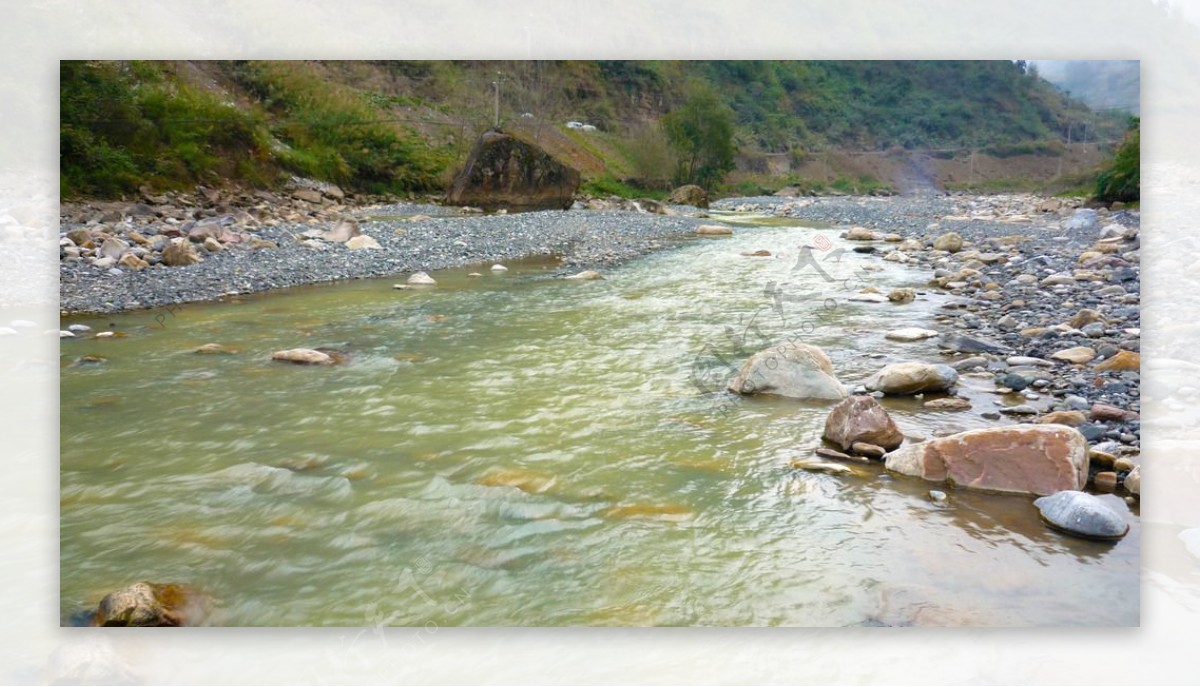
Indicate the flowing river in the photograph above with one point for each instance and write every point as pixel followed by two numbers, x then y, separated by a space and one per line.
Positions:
pixel 516 449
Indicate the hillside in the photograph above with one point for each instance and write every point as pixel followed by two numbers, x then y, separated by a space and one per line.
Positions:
pixel 1102 84
pixel 402 127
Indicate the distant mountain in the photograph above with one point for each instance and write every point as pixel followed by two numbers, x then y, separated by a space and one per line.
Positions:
pixel 1102 84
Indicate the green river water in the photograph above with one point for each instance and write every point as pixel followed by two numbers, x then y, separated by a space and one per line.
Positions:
pixel 517 449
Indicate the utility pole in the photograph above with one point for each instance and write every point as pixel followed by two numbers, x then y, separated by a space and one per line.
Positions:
pixel 496 83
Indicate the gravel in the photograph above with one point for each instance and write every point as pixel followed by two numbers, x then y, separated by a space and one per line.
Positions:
pixel 581 238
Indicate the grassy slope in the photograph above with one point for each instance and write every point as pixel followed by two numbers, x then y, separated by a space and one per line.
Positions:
pixel 403 126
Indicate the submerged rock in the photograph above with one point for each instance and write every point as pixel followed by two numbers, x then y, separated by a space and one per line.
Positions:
pixel 910 334
pixel 902 295
pixel 714 230
pixel 1082 514
pixel 586 275
pixel 421 279
pixel 904 379
pixel 145 604
pixel 789 369
pixel 860 419
pixel 1022 459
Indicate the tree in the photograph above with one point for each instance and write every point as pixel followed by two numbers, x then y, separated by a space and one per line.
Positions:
pixel 1123 179
pixel 701 133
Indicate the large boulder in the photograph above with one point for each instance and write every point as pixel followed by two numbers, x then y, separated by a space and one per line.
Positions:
pixel 861 419
pixel 950 242
pixel 789 369
pixel 689 194
pixel 1020 459
pixel 504 172
pixel 902 379
pixel 144 604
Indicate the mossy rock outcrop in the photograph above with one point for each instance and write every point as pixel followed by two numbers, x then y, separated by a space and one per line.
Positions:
pixel 507 173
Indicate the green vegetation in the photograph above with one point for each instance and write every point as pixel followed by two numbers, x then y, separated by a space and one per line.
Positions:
pixel 701 133
pixel 126 125
pixel 610 186
pixel 404 127
pixel 1122 179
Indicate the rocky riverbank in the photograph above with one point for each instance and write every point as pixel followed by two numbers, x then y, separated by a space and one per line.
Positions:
pixel 177 248
pixel 1045 305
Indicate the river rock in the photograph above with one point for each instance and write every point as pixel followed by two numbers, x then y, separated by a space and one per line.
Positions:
pixel 1123 361
pixel 421 279
pixel 910 334
pixel 1085 317
pixel 1083 218
pixel 307 195
pixel 586 275
pixel 950 242
pixel 113 248
pixel 1077 355
pixel 713 230
pixel 902 295
pixel 1070 418
pixel 1058 280
pixel 144 604
pixel 132 262
pixel 1105 481
pixel 1133 481
pixel 80 237
pixel 904 379
pixel 1022 459
pixel 179 253
pixel 868 450
pixel 511 173
pixel 867 298
pixel 689 194
pixel 961 343
pixel 789 369
pixel 215 348
pixel 948 403
pixel 1103 412
pixel 499 268
pixel 303 356
pixel 837 455
pixel 1082 514
pixel 861 419
pixel 861 234
pixel 362 242
pixel 342 232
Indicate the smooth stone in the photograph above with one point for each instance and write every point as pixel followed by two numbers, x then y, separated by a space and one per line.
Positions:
pixel 863 448
pixel 1133 481
pixel 421 279
pixel 912 378
pixel 937 496
pixel 303 356
pixel 1079 513
pixel 1070 418
pixel 950 242
pixel 1105 481
pixel 910 334
pixel 948 403
pixel 1027 361
pixel 902 296
pixel 64 334
pixel 1077 355
pixel 1022 409
pixel 363 242
pixel 960 343
pixel 968 363
pixel 215 348
pixel 145 604
pixel 1123 361
pixel 838 455
pixel 79 328
pixel 821 466
pixel 789 369
pixel 1123 465
pixel 867 298
pixel 474 274
pixel 714 230
pixel 499 268
pixel 860 234
pixel 1103 412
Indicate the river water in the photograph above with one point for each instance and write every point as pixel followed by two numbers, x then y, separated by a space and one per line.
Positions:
pixel 516 449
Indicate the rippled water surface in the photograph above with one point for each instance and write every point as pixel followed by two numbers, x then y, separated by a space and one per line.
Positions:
pixel 516 449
